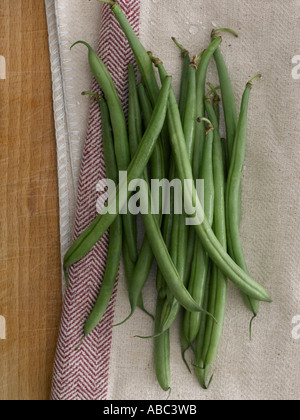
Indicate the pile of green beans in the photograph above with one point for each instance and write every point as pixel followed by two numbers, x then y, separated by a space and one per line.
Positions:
pixel 168 138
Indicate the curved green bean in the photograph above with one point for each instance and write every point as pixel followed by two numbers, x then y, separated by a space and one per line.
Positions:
pixel 115 237
pixel 129 269
pixel 234 190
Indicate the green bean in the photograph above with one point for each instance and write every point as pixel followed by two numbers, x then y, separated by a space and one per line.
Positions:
pixel 185 345
pixel 145 260
pixel 178 255
pixel 174 233
pixel 167 266
pixel 170 309
pixel 109 279
pixel 134 116
pixel 190 112
pixel 200 366
pixel 203 230
pixel 200 339
pixel 157 158
pixel 184 77
pixel 216 100
pixel 189 131
pixel 129 270
pixel 167 236
pixel 141 55
pixel 211 306
pixel 198 280
pixel 162 350
pixel 218 296
pixel 201 81
pixel 120 134
pixel 146 69
pixel 172 305
pixel 115 238
pixel 228 97
pixel 231 120
pixel 234 190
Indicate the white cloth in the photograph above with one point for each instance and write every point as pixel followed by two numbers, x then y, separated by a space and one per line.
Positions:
pixel 268 367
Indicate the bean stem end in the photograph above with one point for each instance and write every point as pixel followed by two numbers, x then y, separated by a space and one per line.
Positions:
pixel 216 32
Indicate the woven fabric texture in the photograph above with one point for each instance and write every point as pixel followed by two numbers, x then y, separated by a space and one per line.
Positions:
pixel 268 366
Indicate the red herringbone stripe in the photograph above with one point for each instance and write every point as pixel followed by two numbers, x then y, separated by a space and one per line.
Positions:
pixel 84 375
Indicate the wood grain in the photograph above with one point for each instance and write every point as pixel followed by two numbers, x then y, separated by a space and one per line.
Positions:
pixel 30 276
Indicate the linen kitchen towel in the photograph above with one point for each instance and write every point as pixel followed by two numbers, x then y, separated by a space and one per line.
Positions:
pixel 112 364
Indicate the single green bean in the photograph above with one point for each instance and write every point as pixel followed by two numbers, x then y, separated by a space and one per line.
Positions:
pixel 190 111
pixel 115 238
pixel 172 306
pixel 189 131
pixel 185 346
pixel 201 82
pixel 200 367
pixel 213 332
pixel 129 270
pixel 162 350
pixel 216 100
pixel 134 116
pixel 141 55
pixel 184 77
pixel 120 134
pixel 228 97
pixel 157 158
pixel 233 193
pixel 199 343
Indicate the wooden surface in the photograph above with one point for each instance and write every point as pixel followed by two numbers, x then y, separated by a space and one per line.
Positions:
pixel 30 277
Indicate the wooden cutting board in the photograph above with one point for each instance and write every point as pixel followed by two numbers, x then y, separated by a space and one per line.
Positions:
pixel 30 274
